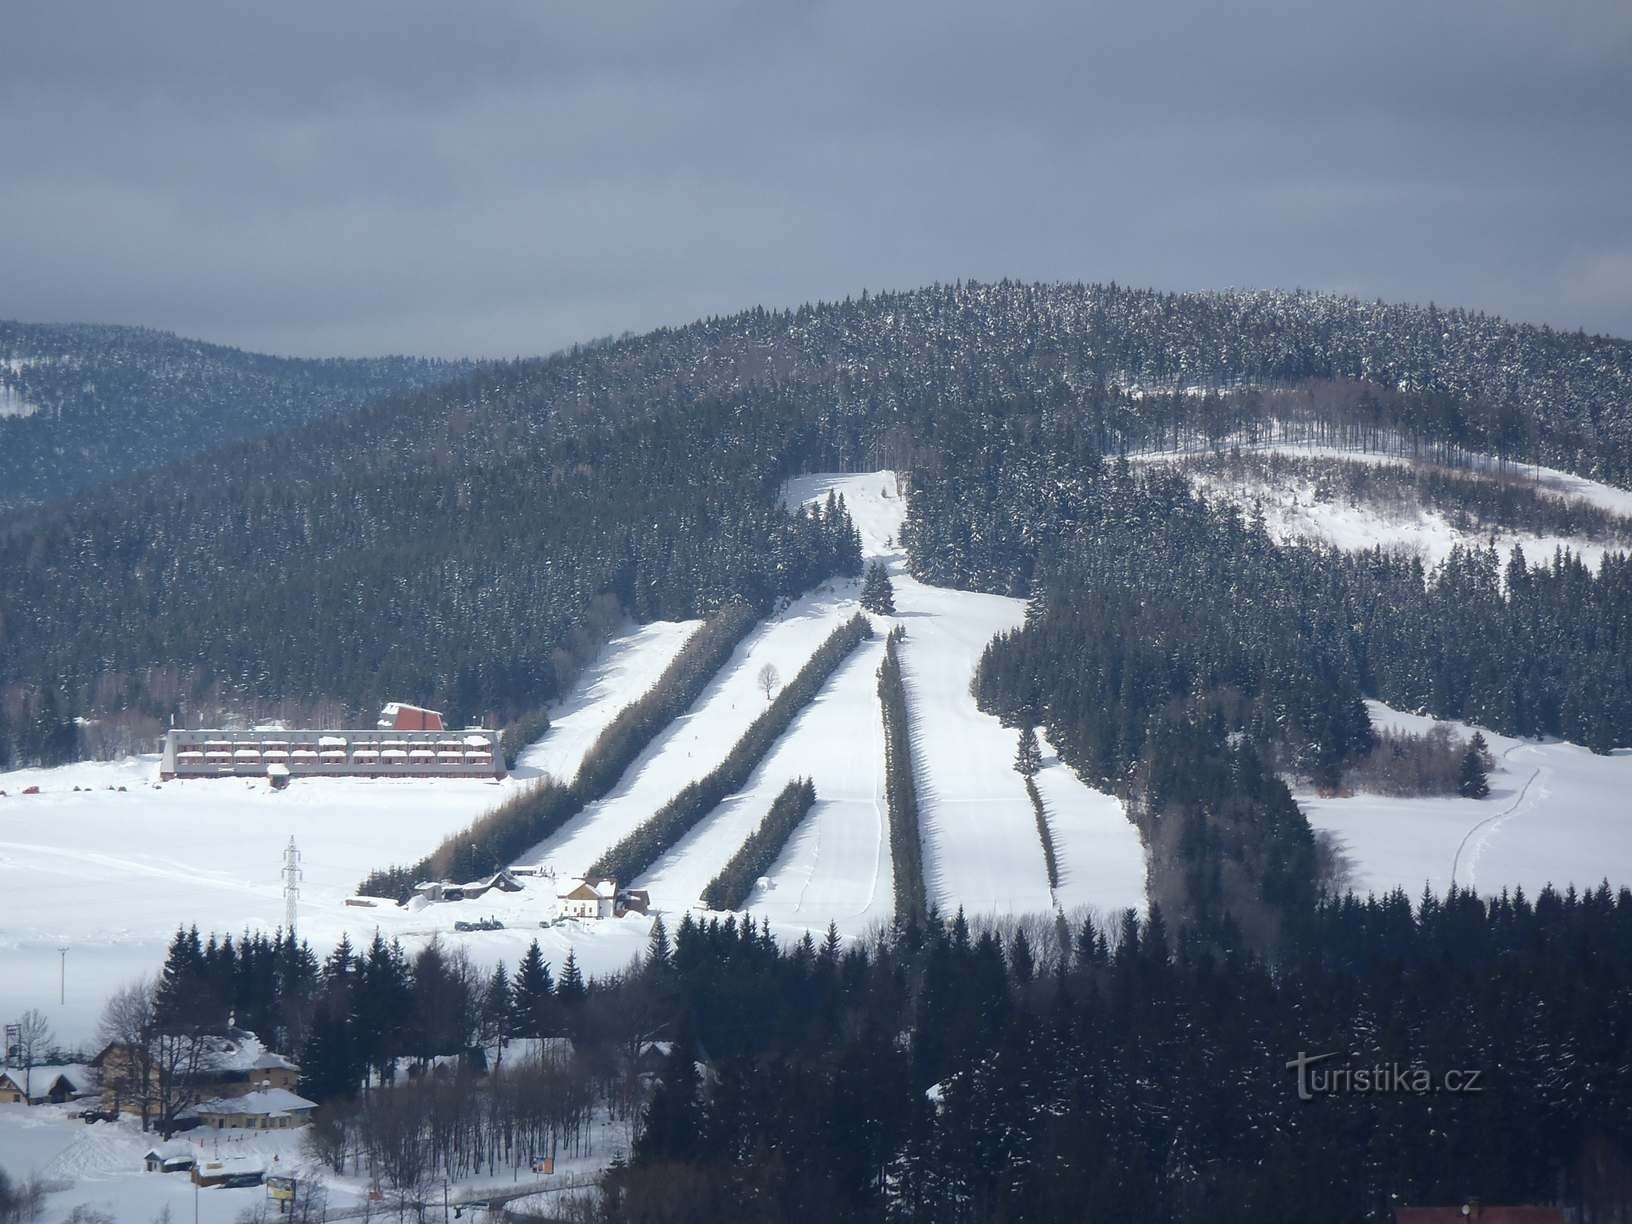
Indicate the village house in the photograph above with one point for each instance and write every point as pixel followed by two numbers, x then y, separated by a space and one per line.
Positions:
pixel 446 890
pixel 232 1065
pixel 45 1084
pixel 590 898
pixel 263 1109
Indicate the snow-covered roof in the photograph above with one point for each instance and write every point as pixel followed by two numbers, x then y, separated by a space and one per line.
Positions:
pixel 42 1075
pixel 263 1103
pixel 606 888
pixel 477 741
pixel 331 741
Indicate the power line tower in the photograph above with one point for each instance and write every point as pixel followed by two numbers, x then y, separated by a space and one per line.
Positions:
pixel 291 886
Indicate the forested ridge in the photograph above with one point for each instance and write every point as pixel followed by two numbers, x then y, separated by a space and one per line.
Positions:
pixel 90 405
pixel 446 546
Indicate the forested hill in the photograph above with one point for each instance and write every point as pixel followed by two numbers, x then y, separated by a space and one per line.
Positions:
pixel 449 544
pixel 82 405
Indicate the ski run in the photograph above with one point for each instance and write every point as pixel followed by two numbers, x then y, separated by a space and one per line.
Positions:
pixel 109 872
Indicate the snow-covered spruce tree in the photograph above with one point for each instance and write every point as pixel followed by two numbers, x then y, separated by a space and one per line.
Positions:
pixel 1471 781
pixel 1028 756
pixel 877 592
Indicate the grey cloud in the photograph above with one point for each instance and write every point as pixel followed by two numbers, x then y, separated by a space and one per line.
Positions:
pixel 508 178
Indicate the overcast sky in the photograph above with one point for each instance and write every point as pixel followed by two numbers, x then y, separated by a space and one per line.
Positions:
pixel 495 179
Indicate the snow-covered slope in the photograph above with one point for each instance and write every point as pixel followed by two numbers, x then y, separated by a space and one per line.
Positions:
pixel 1295 509
pixel 699 740
pixel 630 664
pixel 1556 814
pixel 837 866
pixel 981 848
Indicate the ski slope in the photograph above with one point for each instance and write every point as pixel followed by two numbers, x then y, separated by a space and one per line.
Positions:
pixel 628 666
pixel 981 849
pixel 837 865
pixel 1556 814
pixel 1294 509
pixel 698 740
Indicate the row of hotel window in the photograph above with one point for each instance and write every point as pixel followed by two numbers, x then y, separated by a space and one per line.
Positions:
pixel 446 752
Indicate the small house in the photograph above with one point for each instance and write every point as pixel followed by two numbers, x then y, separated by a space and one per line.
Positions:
pixel 44 1084
pixel 590 898
pixel 263 1109
pixel 169 1158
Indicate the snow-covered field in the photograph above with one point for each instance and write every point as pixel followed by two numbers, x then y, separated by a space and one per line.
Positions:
pixel 109 874
pixel 100 1167
pixel 1555 814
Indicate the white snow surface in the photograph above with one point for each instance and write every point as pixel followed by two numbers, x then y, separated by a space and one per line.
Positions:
pixel 1556 814
pixel 1548 480
pixel 630 664
pixel 1293 510
pixel 110 874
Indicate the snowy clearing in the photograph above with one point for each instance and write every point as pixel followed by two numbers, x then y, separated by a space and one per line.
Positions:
pixel 1556 814
pixel 1293 510
pixel 1545 479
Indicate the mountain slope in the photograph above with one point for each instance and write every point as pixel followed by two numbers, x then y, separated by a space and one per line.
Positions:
pixel 446 544
pixel 83 405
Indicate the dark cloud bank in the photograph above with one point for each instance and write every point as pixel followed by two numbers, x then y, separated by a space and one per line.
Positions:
pixel 508 178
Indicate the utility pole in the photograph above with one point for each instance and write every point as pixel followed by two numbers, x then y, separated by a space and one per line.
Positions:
pixel 62 976
pixel 292 876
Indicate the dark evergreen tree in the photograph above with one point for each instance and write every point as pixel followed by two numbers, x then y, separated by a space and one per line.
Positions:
pixel 532 998
pixel 1472 782
pixel 1028 756
pixel 877 591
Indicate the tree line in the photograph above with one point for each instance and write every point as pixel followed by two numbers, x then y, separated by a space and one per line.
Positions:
pixel 732 887
pixel 658 834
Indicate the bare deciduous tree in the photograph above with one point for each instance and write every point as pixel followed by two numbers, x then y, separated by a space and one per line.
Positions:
pixel 768 679
pixel 33 1040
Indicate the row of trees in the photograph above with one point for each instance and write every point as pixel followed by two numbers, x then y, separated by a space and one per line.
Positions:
pixel 502 835
pixel 732 887
pixel 900 782
pixel 658 834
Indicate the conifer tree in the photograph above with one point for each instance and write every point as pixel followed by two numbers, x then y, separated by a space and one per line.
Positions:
pixel 658 951
pixel 1028 757
pixel 531 999
pixel 1472 782
pixel 572 990
pixel 877 592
